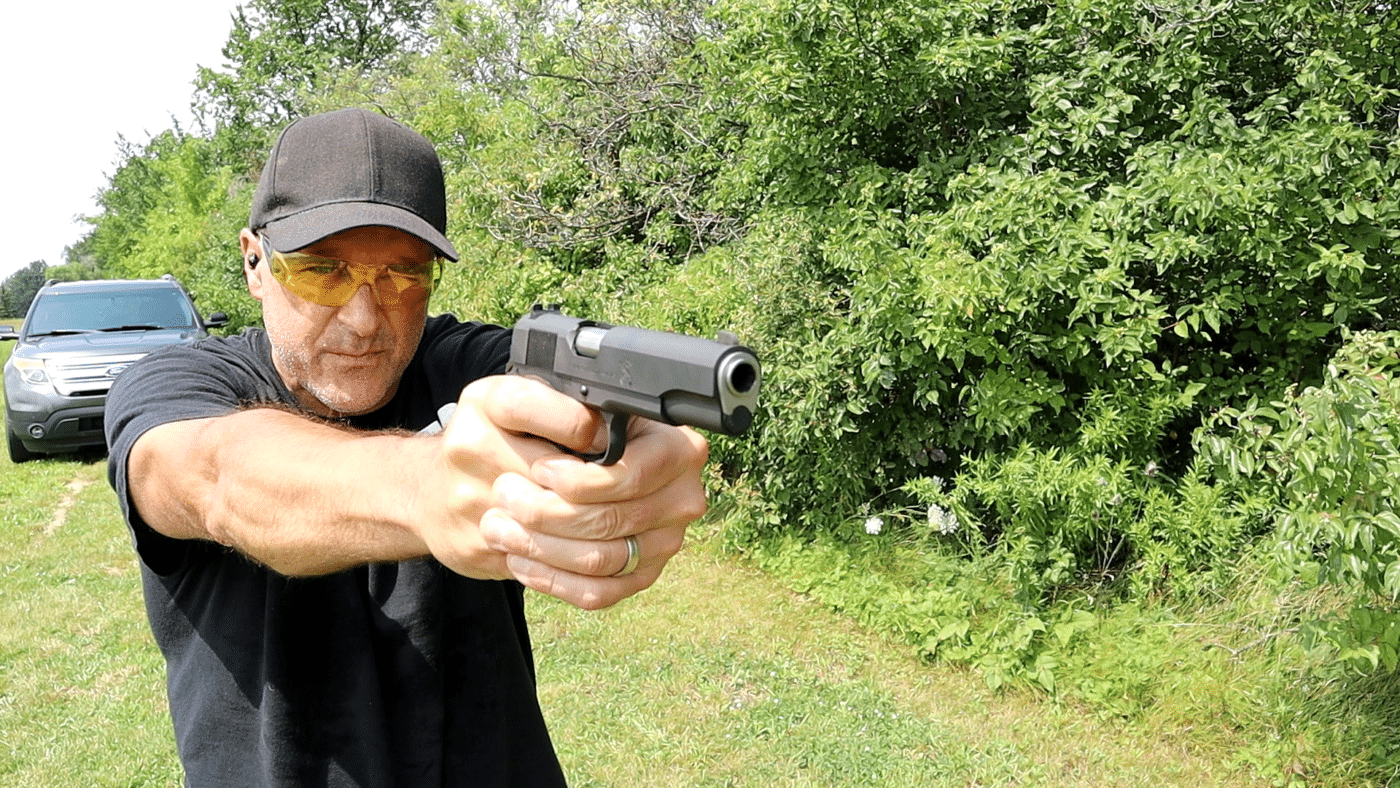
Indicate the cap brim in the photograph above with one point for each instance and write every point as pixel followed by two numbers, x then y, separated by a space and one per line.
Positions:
pixel 303 229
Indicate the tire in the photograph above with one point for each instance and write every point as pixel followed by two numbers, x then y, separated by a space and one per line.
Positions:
pixel 18 453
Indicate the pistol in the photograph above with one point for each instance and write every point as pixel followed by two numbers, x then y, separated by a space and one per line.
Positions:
pixel 625 371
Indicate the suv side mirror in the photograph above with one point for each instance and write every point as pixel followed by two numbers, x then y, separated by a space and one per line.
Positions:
pixel 215 320
pixel 8 332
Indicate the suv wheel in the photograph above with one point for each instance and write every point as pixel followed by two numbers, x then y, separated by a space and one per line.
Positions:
pixel 18 453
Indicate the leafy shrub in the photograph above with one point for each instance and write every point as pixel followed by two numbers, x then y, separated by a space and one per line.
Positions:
pixel 1016 208
pixel 1327 458
pixel 999 258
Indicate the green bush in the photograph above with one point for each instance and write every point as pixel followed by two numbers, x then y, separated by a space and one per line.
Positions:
pixel 1018 207
pixel 1327 459
pixel 963 611
pixel 1000 259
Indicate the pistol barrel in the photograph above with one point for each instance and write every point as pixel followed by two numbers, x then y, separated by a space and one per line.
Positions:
pixel 659 375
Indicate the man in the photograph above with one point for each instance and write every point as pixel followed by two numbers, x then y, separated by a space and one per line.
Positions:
pixel 339 600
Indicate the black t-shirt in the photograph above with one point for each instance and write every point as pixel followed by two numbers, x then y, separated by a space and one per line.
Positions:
pixel 396 674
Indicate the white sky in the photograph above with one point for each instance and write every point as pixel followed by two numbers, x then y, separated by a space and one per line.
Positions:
pixel 76 74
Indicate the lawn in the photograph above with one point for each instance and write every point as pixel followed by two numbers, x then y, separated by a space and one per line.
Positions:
pixel 714 677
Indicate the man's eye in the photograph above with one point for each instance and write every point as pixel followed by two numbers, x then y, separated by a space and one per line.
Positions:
pixel 318 266
pixel 411 269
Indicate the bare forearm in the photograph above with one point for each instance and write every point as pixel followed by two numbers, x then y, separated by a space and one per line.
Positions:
pixel 487 498
pixel 302 497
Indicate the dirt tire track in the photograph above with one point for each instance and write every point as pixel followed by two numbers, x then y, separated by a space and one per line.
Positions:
pixel 75 487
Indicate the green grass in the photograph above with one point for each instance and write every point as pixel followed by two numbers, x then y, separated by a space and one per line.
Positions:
pixel 81 684
pixel 715 677
pixel 718 677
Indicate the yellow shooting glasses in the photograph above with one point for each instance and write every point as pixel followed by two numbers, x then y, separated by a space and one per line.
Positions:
pixel 331 282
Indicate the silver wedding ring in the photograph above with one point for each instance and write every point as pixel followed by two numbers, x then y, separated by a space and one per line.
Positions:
pixel 634 556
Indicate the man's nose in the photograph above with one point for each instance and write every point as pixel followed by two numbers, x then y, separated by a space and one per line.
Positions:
pixel 362 313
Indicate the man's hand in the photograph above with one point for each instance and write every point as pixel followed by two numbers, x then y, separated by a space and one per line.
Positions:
pixel 520 507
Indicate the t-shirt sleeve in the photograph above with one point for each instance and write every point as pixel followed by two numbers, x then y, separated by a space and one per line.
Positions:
pixel 179 383
pixel 455 354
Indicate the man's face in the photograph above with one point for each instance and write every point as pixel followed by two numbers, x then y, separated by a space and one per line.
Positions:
pixel 345 360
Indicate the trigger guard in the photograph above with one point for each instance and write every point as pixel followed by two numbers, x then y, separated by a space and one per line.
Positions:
pixel 617 438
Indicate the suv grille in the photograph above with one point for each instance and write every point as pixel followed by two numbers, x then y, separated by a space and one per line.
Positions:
pixel 88 376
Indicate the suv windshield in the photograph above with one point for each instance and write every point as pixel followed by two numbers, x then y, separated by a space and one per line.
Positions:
pixel 67 313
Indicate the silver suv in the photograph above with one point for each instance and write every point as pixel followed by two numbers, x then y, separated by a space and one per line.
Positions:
pixel 77 338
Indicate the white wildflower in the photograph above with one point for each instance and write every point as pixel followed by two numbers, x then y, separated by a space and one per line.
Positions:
pixel 873 525
pixel 943 520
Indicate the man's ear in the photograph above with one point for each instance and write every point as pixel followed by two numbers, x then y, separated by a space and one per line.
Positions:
pixel 253 265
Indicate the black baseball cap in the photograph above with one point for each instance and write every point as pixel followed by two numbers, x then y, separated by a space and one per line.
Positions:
pixel 345 169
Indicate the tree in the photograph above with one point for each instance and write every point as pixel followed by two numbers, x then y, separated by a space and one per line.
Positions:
pixel 174 204
pixel 622 131
pixel 78 267
pixel 19 289
pixel 171 208
pixel 280 53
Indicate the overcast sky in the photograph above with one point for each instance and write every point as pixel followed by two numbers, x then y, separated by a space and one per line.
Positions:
pixel 76 75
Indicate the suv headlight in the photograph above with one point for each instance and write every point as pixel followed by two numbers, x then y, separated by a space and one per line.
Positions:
pixel 31 370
